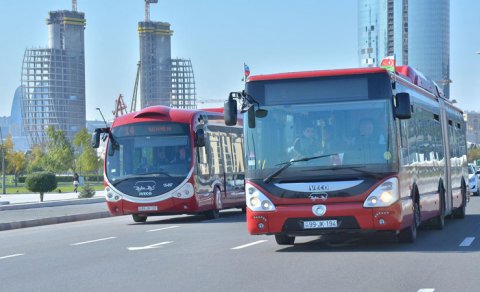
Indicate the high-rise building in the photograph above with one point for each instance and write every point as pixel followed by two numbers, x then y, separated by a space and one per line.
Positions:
pixel 417 32
pixel 429 40
pixel 163 80
pixel 156 63
pixel 53 79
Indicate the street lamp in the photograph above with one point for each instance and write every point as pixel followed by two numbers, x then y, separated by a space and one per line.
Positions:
pixel 3 163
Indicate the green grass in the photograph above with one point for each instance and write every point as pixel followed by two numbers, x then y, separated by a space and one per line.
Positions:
pixel 62 187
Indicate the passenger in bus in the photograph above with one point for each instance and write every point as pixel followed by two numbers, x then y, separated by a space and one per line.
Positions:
pixel 369 145
pixel 181 156
pixel 162 157
pixel 307 145
pixel 367 134
pixel 143 167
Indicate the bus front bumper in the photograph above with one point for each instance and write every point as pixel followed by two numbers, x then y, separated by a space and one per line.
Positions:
pixel 338 218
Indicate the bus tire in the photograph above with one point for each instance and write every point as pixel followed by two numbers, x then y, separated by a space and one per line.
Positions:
pixel 439 221
pixel 139 219
pixel 409 234
pixel 282 239
pixel 460 211
pixel 217 205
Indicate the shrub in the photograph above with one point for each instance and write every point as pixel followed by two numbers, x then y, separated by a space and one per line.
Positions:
pixel 86 192
pixel 41 182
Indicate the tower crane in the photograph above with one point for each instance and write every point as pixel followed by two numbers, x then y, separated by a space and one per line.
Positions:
pixel 147 8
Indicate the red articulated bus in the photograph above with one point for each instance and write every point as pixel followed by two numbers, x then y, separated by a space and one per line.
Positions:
pixel 162 160
pixel 349 151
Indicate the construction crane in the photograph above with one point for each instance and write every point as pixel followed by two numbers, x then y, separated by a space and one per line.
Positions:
pixel 120 107
pixel 74 5
pixel 133 106
pixel 147 8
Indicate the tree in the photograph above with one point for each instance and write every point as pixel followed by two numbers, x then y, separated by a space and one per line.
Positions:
pixel 473 154
pixel 41 182
pixel 17 164
pixel 34 159
pixel 59 156
pixel 88 160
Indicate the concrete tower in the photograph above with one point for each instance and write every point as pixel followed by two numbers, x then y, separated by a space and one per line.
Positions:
pixel 156 63
pixel 54 79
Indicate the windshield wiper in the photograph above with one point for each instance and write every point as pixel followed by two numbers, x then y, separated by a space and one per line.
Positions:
pixel 156 174
pixel 144 175
pixel 356 168
pixel 288 163
pixel 117 181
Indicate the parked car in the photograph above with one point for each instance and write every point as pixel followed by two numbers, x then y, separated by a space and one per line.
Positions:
pixel 473 180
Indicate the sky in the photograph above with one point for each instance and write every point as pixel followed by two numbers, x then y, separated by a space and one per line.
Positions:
pixel 218 36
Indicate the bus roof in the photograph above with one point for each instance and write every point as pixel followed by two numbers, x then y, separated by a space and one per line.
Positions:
pixel 161 113
pixel 318 73
pixel 410 74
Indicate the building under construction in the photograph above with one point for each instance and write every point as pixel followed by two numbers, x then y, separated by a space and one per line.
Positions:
pixel 54 79
pixel 163 80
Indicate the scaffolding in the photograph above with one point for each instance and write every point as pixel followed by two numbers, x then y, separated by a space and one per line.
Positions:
pixel 183 85
pixel 54 80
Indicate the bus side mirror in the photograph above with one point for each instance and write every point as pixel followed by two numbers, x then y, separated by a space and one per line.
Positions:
pixel 200 138
pixel 96 138
pixel 403 110
pixel 230 112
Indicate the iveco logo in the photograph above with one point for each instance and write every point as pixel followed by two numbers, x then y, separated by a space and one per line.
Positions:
pixel 319 210
pixel 318 187
pixel 318 196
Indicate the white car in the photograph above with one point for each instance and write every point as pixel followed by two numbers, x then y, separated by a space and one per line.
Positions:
pixel 473 180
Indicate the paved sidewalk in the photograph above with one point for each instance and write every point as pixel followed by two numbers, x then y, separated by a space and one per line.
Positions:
pixel 26 210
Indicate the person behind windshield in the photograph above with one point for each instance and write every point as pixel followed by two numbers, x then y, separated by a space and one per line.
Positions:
pixel 307 145
pixel 367 134
pixel 143 167
pixel 181 156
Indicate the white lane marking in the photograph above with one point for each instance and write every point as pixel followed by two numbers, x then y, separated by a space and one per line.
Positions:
pixel 12 256
pixel 249 244
pixel 426 290
pixel 467 241
pixel 156 245
pixel 164 228
pixel 92 241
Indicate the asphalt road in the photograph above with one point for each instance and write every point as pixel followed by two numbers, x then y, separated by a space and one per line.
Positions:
pixel 189 253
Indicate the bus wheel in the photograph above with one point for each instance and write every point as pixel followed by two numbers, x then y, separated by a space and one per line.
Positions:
pixel 284 239
pixel 460 212
pixel 215 212
pixel 409 234
pixel 439 221
pixel 139 219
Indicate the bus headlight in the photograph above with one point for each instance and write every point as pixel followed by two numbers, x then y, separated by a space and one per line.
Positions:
pixel 185 192
pixel 384 195
pixel 111 195
pixel 256 200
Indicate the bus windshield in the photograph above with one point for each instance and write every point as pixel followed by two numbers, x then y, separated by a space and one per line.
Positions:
pixel 154 149
pixel 348 134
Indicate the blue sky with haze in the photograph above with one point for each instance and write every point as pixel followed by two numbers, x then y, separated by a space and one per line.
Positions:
pixel 218 36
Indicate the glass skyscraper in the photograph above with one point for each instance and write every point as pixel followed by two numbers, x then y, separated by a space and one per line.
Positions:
pixel 417 32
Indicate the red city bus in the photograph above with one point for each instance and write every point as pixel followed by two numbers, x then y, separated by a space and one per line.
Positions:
pixel 350 151
pixel 162 160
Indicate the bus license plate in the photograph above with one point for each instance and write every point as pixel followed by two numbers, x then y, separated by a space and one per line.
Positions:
pixel 147 208
pixel 319 224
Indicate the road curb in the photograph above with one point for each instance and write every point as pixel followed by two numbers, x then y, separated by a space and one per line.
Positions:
pixel 53 220
pixel 51 204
